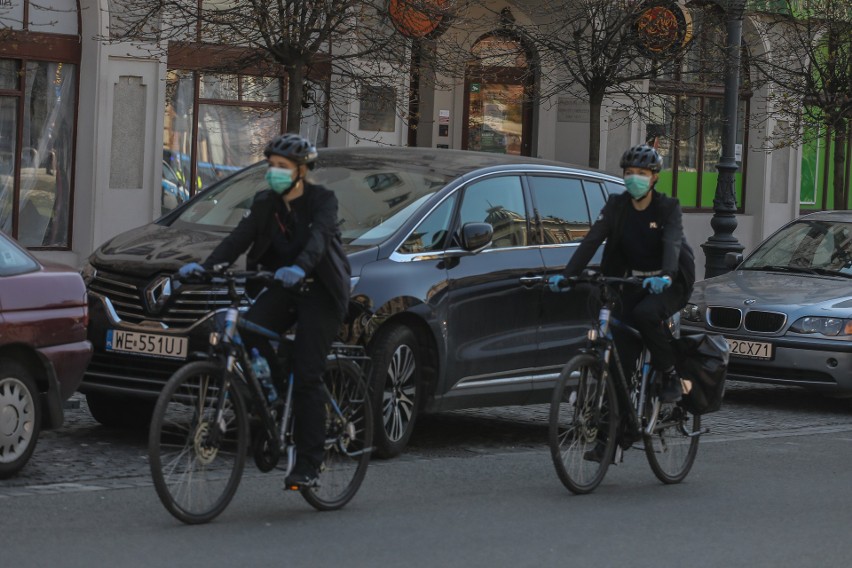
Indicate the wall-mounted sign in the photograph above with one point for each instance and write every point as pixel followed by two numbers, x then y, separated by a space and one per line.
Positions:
pixel 662 27
pixel 420 18
pixel 377 108
pixel 570 109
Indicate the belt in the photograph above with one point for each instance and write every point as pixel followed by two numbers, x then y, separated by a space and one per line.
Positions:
pixel 643 273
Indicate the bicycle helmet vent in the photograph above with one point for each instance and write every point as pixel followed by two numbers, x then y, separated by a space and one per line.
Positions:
pixel 293 147
pixel 642 157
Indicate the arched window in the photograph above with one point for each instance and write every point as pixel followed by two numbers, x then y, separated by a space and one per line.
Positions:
pixel 39 62
pixel 498 96
pixel 688 124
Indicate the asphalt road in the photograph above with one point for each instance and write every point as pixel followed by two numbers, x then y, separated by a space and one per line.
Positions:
pixel 770 488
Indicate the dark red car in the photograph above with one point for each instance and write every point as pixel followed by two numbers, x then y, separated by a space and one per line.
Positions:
pixel 43 348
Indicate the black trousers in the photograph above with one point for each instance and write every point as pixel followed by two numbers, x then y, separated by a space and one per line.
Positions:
pixel 318 321
pixel 648 313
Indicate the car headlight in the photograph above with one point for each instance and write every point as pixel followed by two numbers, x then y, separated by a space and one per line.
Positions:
pixel 88 272
pixel 691 313
pixel 832 327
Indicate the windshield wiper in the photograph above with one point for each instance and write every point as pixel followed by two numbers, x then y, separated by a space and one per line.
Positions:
pixel 830 272
pixel 779 268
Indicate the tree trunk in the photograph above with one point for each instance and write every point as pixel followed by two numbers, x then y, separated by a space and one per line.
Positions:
pixel 295 95
pixel 841 198
pixel 595 102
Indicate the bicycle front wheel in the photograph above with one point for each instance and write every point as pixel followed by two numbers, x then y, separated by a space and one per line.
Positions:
pixel 349 438
pixel 670 449
pixel 583 421
pixel 197 457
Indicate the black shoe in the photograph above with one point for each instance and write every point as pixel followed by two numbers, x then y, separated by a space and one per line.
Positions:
pixel 596 454
pixel 300 477
pixel 671 390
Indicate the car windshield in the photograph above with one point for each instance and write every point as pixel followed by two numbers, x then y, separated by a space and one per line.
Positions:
pixel 13 260
pixel 808 246
pixel 375 196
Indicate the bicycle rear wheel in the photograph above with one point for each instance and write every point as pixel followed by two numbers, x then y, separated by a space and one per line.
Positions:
pixel 583 421
pixel 670 449
pixel 349 438
pixel 197 460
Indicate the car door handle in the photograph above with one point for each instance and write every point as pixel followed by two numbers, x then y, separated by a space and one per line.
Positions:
pixel 531 280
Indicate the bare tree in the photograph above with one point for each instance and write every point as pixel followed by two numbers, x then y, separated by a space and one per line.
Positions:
pixel 351 40
pixel 809 69
pixel 593 46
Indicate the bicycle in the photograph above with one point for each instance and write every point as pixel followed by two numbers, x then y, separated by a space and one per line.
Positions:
pixel 214 410
pixel 591 394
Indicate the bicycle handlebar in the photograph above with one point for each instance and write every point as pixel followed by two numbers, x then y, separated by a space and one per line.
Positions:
pixel 224 276
pixel 599 279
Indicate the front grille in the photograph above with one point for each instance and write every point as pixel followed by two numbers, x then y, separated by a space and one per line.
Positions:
pixel 130 373
pixel 180 310
pixel 764 322
pixel 724 318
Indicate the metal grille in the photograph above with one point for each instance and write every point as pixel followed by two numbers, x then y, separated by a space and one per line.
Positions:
pixel 130 373
pixel 724 318
pixel 764 322
pixel 183 308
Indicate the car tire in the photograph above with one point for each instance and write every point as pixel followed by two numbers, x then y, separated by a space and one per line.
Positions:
pixel 20 417
pixel 121 412
pixel 396 386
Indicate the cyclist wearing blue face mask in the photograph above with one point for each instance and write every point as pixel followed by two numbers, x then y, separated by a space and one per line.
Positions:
pixel 644 237
pixel 292 230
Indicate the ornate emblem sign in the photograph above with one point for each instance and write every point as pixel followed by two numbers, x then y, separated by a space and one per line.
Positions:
pixel 419 18
pixel 662 27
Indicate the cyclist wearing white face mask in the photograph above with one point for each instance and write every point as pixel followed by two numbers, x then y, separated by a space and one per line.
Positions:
pixel 644 237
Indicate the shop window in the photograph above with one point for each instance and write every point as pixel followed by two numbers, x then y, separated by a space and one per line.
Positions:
pixel 39 61
pixel 688 124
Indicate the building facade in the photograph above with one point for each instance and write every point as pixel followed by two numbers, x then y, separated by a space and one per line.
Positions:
pixel 97 137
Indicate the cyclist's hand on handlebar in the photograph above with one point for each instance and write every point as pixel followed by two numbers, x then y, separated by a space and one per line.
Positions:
pixel 191 270
pixel 656 284
pixel 290 276
pixel 558 283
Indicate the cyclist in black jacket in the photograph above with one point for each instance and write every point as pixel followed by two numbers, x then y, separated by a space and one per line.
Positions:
pixel 292 229
pixel 644 237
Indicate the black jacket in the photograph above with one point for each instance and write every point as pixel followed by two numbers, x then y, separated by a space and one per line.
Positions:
pixel 678 258
pixel 322 258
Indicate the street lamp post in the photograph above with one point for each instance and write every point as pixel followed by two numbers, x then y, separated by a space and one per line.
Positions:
pixel 724 222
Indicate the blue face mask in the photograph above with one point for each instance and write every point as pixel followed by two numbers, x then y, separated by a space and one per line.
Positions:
pixel 279 179
pixel 637 186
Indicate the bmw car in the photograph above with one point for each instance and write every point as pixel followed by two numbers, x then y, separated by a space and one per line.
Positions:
pixel 786 310
pixel 450 251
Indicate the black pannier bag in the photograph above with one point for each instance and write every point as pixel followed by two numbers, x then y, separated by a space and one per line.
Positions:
pixel 703 360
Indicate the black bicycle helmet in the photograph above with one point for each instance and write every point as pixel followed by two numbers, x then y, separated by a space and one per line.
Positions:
pixel 642 157
pixel 293 147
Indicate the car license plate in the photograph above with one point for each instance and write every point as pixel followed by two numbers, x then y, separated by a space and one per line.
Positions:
pixel 147 343
pixel 750 349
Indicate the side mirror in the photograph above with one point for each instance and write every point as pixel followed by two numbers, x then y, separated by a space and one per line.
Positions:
pixel 733 259
pixel 476 236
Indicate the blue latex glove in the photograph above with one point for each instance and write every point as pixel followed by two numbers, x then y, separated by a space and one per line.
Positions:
pixel 191 269
pixel 553 283
pixel 289 275
pixel 656 284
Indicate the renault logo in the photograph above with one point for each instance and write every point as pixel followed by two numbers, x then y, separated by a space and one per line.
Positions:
pixel 158 293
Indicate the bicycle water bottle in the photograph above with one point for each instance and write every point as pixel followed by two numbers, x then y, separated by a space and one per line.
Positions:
pixel 260 367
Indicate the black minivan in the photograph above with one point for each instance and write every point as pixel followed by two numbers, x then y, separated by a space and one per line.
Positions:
pixel 450 253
